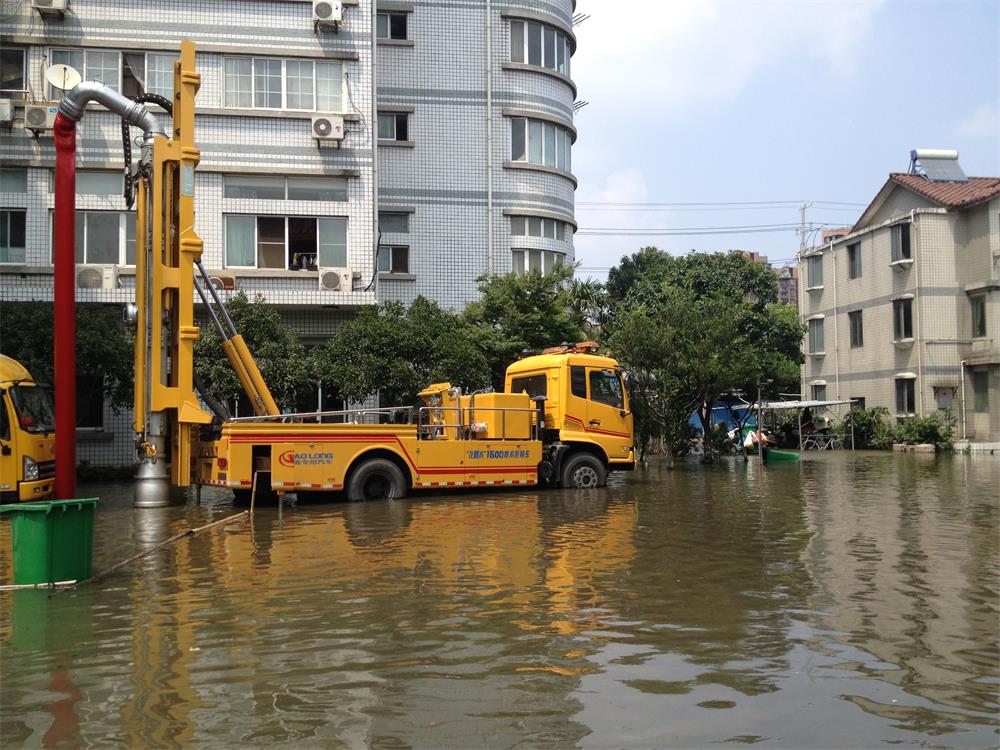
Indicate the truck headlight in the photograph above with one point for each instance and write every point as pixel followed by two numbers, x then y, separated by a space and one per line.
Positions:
pixel 30 470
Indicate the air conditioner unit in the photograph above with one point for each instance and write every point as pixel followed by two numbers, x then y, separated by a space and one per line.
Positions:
pixel 51 7
pixel 335 279
pixel 223 282
pixel 6 110
pixel 327 12
pixel 40 117
pixel 97 277
pixel 328 127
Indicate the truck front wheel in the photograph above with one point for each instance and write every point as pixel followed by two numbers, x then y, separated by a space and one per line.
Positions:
pixel 584 471
pixel 376 479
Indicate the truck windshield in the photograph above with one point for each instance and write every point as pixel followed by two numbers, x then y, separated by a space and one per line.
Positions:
pixel 33 408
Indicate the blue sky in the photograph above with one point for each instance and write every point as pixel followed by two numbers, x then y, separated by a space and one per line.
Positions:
pixel 735 102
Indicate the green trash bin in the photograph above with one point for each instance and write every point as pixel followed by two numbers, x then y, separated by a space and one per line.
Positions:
pixel 53 540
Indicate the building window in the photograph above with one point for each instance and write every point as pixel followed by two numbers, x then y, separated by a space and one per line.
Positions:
pixel 857 329
pixel 978 302
pixel 814 271
pixel 854 261
pixel 857 403
pixel 538 44
pixel 542 261
pixel 819 392
pixel 13 180
pixel 900 238
pixel 536 226
pixel 11 71
pixel 276 83
pixel 816 336
pixel 902 319
pixel 266 187
pixel 981 390
pixel 92 64
pixel 94 183
pixel 539 142
pixel 295 243
pixel 394 222
pixel 148 72
pixel 393 259
pixel 90 402
pixel 906 398
pixel 393 126
pixel 12 236
pixel 390 26
pixel 105 237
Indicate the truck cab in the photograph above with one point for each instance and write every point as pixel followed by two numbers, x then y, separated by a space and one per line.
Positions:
pixel 587 420
pixel 27 435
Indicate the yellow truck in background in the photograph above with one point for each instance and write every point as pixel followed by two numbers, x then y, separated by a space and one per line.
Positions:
pixel 27 435
pixel 563 421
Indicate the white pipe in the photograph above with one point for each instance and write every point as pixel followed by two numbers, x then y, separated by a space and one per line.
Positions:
pixel 836 325
pixel 489 137
pixel 74 104
pixel 373 136
pixel 918 327
pixel 965 431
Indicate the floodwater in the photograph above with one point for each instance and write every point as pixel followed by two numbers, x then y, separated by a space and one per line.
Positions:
pixel 847 601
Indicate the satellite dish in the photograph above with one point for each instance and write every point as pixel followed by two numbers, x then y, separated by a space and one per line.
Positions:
pixel 62 76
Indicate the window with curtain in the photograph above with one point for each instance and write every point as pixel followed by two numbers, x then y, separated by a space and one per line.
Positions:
pixel 540 142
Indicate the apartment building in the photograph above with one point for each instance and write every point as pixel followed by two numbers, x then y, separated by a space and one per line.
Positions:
pixel 903 311
pixel 351 153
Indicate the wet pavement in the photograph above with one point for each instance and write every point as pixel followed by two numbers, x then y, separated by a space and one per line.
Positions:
pixel 850 600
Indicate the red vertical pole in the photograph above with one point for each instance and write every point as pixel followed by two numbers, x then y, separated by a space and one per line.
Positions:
pixel 64 260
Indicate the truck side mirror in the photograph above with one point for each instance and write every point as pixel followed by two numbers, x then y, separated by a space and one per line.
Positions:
pixel 5 450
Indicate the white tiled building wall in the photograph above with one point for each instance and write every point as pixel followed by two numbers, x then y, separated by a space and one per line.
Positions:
pixel 439 75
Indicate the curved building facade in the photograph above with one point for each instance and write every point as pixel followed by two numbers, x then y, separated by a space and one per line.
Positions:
pixel 481 180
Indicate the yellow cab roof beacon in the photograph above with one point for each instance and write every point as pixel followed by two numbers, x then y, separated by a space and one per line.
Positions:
pixel 563 419
pixel 27 435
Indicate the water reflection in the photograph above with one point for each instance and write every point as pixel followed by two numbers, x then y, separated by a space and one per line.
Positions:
pixel 845 601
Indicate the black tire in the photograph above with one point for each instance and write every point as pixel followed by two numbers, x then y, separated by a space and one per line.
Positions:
pixel 376 479
pixel 584 471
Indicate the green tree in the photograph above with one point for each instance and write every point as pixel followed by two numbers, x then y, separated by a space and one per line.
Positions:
pixel 396 351
pixel 104 347
pixel 717 327
pixel 523 313
pixel 277 350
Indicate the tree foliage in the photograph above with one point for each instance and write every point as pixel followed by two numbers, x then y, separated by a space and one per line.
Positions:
pixel 396 351
pixel 523 313
pixel 104 347
pixel 277 350
pixel 696 327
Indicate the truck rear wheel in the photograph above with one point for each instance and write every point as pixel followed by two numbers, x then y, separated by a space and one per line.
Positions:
pixel 584 471
pixel 376 479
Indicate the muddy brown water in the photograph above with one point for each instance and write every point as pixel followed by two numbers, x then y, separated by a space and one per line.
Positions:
pixel 850 600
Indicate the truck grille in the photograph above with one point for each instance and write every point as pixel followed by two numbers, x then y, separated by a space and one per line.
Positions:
pixel 46 469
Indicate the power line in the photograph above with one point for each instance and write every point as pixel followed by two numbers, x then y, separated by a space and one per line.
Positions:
pixel 656 209
pixel 718 203
pixel 690 231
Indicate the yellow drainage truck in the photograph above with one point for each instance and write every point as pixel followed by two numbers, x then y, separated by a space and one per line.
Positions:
pixel 27 435
pixel 563 421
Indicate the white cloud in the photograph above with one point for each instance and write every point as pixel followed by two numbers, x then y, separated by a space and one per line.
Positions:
pixel 668 56
pixel 983 122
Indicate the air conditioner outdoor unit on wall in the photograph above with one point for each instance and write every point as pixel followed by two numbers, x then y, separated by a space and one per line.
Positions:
pixel 97 277
pixel 50 7
pixel 327 12
pixel 6 110
pixel 40 117
pixel 328 127
pixel 223 282
pixel 335 279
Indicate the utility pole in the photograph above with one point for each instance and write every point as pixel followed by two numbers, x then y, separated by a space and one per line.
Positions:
pixel 802 226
